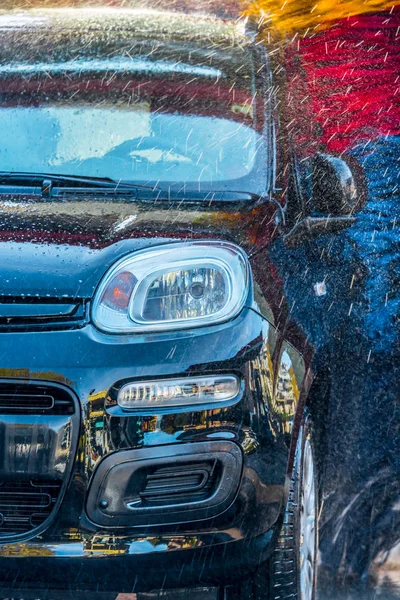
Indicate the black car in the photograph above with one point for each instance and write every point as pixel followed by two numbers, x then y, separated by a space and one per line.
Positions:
pixel 156 399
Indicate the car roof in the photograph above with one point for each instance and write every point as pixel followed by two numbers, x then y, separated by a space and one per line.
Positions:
pixel 59 34
pixel 56 22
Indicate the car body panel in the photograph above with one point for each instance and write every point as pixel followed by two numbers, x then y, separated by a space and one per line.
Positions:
pixel 55 253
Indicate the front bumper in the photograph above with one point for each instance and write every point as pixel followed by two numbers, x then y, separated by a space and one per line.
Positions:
pixel 89 363
pixel 159 564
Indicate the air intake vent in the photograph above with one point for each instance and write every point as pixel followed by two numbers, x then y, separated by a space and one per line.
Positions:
pixel 109 192
pixel 39 426
pixel 22 398
pixel 25 505
pixel 179 483
pixel 175 485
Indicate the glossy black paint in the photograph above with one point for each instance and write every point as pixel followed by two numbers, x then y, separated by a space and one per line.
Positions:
pixel 255 423
pixel 55 254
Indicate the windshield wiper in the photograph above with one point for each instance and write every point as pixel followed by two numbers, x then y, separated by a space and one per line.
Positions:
pixel 57 187
pixel 50 184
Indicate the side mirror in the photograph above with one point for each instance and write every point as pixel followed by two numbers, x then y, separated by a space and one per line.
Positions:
pixel 337 190
pixel 334 190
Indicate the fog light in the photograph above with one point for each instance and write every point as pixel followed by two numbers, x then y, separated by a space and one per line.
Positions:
pixel 169 393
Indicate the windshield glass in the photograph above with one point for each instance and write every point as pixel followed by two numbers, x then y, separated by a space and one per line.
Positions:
pixel 126 143
pixel 156 112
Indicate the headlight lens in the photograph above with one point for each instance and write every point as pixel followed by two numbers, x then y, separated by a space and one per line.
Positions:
pixel 175 286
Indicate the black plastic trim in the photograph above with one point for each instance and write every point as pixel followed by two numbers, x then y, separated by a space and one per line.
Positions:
pixel 75 419
pixel 35 314
pixel 114 499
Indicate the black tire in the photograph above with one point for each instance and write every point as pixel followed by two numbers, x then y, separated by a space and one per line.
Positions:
pixel 285 564
pixel 280 578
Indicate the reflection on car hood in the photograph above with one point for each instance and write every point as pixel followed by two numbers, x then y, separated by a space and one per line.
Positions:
pixel 63 249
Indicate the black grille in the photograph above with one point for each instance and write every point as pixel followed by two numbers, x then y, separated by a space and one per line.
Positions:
pixel 25 505
pixel 179 484
pixel 172 484
pixel 31 313
pixel 20 398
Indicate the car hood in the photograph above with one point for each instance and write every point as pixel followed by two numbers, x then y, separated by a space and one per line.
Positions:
pixel 62 249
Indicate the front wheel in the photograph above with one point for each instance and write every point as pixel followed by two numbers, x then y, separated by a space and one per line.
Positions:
pixel 291 572
pixel 293 566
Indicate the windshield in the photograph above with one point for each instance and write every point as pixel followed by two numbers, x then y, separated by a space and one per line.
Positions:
pixel 126 143
pixel 157 113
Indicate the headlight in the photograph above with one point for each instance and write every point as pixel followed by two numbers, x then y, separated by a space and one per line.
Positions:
pixel 175 286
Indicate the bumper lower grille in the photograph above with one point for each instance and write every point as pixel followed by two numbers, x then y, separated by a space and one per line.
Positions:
pixel 25 505
pixel 39 428
pixel 179 485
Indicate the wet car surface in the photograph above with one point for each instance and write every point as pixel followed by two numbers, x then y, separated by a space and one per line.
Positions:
pixel 153 410
pixel 338 260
